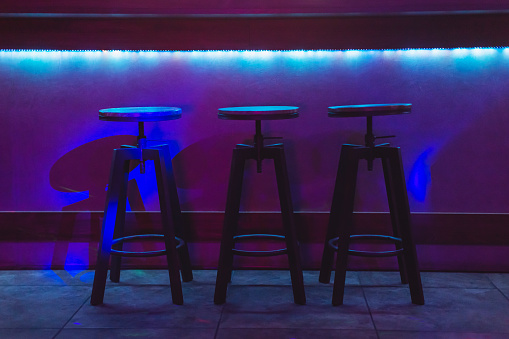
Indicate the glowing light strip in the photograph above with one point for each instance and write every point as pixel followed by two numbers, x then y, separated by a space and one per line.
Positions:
pixel 477 53
pixel 261 51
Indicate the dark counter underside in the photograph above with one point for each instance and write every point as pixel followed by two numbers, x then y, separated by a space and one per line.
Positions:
pixel 254 32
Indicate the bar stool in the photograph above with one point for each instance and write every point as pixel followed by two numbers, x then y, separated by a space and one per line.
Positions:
pixel 339 232
pixel 258 152
pixel 112 235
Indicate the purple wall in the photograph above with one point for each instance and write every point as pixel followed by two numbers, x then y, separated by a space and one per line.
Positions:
pixel 56 152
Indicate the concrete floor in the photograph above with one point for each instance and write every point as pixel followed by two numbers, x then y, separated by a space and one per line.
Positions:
pixel 56 304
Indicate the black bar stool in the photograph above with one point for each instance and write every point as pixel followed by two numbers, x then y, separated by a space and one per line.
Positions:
pixel 112 235
pixel 339 232
pixel 258 152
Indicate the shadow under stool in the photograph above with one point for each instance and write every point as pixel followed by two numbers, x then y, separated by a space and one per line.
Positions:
pixel 339 231
pixel 258 151
pixel 112 234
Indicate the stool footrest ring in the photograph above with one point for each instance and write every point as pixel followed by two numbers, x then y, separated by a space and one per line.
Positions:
pixel 333 244
pixel 258 253
pixel 146 253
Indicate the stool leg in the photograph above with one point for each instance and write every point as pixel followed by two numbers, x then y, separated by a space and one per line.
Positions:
pixel 180 230
pixel 343 217
pixel 162 165
pixel 116 260
pixel 117 188
pixel 332 228
pixel 340 196
pixel 389 185
pixel 231 218
pixel 292 244
pixel 403 215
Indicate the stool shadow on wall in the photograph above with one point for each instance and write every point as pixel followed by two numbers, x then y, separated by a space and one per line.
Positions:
pixel 86 168
pixel 202 172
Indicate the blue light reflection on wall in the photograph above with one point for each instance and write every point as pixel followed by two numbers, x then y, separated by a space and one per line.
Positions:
pixel 419 179
pixel 77 257
pixel 43 61
pixel 464 59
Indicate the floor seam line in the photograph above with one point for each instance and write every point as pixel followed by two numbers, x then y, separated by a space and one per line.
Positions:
pixel 220 317
pixel 370 314
pixel 70 318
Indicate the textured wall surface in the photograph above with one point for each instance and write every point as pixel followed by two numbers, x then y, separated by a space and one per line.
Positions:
pixel 56 153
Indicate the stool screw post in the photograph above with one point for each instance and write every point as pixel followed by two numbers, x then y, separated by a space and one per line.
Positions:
pixel 142 143
pixel 258 144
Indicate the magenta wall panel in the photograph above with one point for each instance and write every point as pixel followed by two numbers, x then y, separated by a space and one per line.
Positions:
pixel 245 6
pixel 56 153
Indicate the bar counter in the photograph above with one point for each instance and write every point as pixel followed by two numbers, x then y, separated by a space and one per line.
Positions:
pixel 59 65
pixel 254 31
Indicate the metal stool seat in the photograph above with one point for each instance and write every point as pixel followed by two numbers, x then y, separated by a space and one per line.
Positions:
pixel 339 231
pixel 258 151
pixel 112 234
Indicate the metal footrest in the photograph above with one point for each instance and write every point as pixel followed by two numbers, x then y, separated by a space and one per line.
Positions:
pixel 333 243
pixel 258 253
pixel 146 253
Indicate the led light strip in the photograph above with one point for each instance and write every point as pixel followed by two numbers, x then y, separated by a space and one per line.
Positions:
pixel 261 51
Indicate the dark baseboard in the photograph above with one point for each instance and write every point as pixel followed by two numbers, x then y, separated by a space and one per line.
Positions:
pixel 68 240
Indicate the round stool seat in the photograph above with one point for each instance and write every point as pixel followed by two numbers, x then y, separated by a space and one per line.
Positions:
pixel 368 110
pixel 140 114
pixel 259 113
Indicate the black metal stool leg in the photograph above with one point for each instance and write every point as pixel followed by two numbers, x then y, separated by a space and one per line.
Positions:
pixel 117 188
pixel 389 185
pixel 335 217
pixel 225 264
pixel 292 244
pixel 403 214
pixel 162 165
pixel 333 226
pixel 180 230
pixel 116 260
pixel 343 214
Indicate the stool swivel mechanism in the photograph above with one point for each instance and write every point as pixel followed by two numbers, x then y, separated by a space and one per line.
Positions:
pixel 258 145
pixel 369 141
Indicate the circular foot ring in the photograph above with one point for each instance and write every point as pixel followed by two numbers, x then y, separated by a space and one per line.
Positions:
pixel 144 237
pixel 259 253
pixel 334 241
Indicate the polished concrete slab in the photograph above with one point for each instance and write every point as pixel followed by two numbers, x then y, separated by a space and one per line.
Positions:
pixel 56 304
